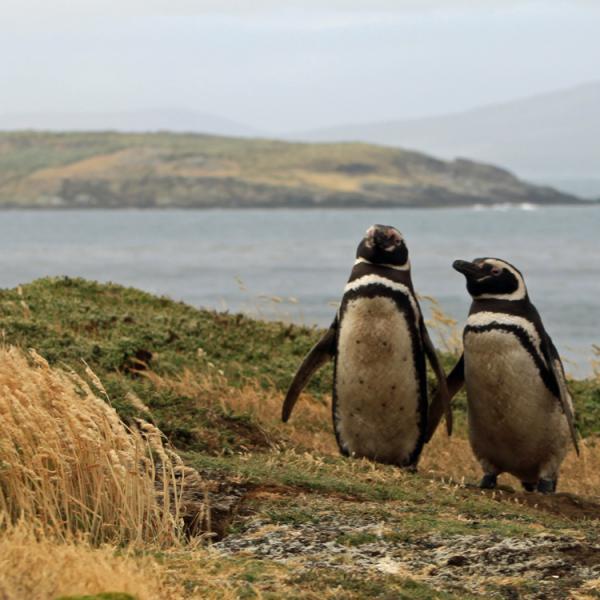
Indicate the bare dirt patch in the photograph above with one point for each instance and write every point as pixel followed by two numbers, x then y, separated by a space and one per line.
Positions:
pixel 563 504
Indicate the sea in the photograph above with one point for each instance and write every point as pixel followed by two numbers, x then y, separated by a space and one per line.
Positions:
pixel 292 265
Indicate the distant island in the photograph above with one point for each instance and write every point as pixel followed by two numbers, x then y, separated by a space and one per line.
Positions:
pixel 175 170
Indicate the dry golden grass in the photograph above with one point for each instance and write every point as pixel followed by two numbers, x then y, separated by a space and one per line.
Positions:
pixel 446 328
pixel 310 428
pixel 328 181
pixel 68 464
pixel 590 590
pixel 45 569
pixel 41 568
pixel 443 457
pixel 452 458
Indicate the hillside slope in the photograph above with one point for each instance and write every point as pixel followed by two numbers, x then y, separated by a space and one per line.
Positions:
pixel 112 170
pixel 290 518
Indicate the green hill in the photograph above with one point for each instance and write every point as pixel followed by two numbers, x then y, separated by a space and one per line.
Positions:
pixel 292 518
pixel 117 170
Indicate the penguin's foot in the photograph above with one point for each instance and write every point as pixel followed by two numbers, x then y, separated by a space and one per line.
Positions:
pixel 546 486
pixel 528 486
pixel 488 481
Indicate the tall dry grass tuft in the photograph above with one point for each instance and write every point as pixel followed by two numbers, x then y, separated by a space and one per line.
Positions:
pixel 36 567
pixel 68 464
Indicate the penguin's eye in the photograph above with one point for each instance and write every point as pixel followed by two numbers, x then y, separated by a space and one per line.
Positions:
pixel 496 271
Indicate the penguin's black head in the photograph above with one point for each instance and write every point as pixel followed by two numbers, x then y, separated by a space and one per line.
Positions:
pixel 492 278
pixel 383 245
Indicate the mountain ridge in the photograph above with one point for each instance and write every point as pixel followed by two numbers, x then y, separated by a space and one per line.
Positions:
pixel 548 137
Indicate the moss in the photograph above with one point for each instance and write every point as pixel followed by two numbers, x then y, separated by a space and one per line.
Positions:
pixel 118 329
pixel 586 397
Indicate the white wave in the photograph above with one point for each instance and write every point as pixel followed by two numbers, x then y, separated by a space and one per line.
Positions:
pixel 528 206
pixel 505 206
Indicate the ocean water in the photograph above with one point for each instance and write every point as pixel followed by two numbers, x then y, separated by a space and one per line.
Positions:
pixel 292 264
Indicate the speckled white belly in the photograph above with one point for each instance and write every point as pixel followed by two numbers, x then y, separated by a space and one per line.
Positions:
pixel 515 423
pixel 376 382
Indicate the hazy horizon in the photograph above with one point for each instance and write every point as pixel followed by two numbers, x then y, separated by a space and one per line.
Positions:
pixel 254 132
pixel 278 70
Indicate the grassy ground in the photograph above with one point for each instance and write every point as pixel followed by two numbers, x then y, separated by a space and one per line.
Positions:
pixel 292 518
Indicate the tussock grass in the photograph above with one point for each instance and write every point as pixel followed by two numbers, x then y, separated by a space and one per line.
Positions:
pixel 44 569
pixel 68 464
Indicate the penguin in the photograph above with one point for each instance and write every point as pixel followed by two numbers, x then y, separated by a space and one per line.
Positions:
pixel 378 341
pixel 520 413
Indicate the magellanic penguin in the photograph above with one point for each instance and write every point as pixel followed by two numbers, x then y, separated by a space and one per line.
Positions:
pixel 520 413
pixel 378 341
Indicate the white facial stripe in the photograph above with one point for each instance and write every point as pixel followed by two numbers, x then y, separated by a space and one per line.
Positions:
pixel 393 285
pixel 481 319
pixel 518 294
pixel 404 267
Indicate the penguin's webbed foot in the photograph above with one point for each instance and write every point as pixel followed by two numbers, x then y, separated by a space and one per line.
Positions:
pixel 546 486
pixel 488 481
pixel 528 486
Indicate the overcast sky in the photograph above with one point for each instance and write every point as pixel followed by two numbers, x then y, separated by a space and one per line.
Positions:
pixel 285 66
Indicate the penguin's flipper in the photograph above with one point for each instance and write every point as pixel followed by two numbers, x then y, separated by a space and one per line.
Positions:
pixel 442 397
pixel 454 383
pixel 556 367
pixel 320 353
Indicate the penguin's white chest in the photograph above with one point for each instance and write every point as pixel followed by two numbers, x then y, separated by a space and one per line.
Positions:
pixel 515 422
pixel 500 374
pixel 377 384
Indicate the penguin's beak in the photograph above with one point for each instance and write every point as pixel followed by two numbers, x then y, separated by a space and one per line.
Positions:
pixel 468 269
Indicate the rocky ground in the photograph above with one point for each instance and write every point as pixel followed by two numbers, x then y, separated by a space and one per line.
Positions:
pixel 501 544
pixel 549 564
